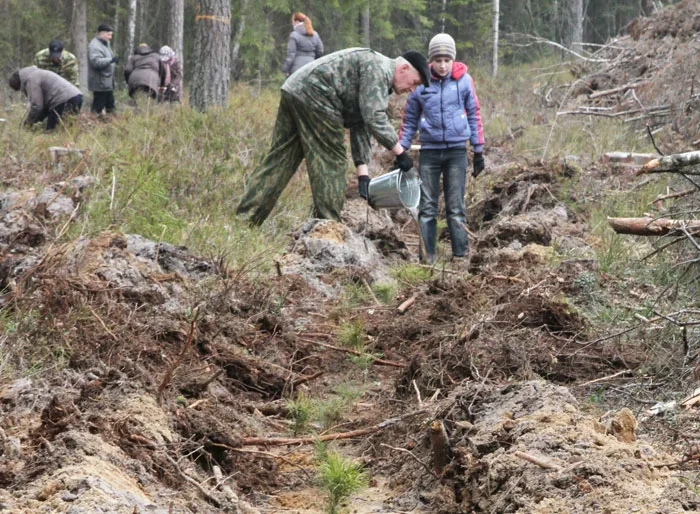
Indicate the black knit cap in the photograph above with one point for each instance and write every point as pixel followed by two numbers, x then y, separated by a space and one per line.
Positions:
pixel 55 49
pixel 105 28
pixel 419 62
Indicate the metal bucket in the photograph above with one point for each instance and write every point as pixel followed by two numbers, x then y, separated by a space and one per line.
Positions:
pixel 395 190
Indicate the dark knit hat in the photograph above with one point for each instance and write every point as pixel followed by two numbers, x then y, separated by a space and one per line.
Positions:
pixel 105 28
pixel 55 49
pixel 418 61
pixel 442 45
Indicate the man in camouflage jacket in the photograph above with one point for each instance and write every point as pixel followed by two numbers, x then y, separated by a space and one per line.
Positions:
pixel 345 89
pixel 60 61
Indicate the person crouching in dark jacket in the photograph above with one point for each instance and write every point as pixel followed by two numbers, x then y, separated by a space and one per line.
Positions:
pixel 50 95
pixel 144 72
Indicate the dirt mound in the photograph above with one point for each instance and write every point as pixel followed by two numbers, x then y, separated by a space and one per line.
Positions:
pixel 327 255
pixel 527 447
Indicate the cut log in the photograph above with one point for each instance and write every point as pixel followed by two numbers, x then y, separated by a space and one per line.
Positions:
pixel 618 89
pixel 55 152
pixel 627 158
pixel 650 226
pixel 407 304
pixel 672 163
pixel 442 453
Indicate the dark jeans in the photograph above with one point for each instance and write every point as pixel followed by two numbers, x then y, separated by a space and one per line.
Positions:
pixel 102 100
pixel 451 165
pixel 72 106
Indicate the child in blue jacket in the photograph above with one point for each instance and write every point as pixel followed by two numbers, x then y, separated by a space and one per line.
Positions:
pixel 447 114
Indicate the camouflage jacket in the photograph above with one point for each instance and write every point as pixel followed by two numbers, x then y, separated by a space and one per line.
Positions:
pixel 67 68
pixel 351 86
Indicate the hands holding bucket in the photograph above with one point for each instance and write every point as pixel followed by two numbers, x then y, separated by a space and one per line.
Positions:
pixel 403 161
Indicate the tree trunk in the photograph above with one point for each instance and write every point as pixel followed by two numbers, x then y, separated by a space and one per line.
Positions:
pixel 442 16
pixel 364 25
pixel 236 46
pixel 131 27
pixel 650 226
pixel 212 57
pixel 496 14
pixel 79 40
pixel 114 43
pixel 176 23
pixel 575 22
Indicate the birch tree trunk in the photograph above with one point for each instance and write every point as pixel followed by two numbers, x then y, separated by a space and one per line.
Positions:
pixel 575 22
pixel 212 56
pixel 364 25
pixel 114 43
pixel 496 14
pixel 442 16
pixel 131 28
pixel 79 40
pixel 236 43
pixel 176 24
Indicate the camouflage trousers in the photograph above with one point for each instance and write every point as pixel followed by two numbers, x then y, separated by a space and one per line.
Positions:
pixel 299 133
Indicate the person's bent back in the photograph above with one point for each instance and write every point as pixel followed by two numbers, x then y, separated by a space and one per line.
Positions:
pixel 49 95
pixel 144 71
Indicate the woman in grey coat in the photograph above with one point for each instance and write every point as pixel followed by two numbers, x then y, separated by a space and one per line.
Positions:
pixel 304 44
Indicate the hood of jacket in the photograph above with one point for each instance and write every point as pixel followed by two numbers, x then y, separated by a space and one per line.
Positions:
pixel 301 29
pixel 458 70
pixel 144 50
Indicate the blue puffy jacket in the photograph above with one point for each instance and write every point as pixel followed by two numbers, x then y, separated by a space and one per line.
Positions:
pixel 447 113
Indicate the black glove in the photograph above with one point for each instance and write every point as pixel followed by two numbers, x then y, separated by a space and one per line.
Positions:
pixel 115 60
pixel 478 164
pixel 403 161
pixel 363 186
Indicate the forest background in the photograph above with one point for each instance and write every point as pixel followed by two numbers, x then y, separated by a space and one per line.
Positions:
pixel 259 29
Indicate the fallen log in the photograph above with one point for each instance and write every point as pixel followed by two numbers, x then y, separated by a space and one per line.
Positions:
pixel 287 441
pixel 56 152
pixel 651 227
pixel 672 163
pixel 627 158
pixel 618 89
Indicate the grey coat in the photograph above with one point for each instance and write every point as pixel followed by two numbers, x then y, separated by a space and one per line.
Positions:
pixel 144 69
pixel 45 90
pixel 100 66
pixel 301 49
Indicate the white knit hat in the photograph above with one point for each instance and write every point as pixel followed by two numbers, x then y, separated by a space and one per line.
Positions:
pixel 442 44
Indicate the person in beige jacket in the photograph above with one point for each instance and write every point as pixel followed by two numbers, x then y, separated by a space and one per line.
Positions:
pixel 50 95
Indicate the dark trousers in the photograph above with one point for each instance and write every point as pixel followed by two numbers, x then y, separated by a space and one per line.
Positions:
pixel 143 90
pixel 102 100
pixel 72 106
pixel 451 165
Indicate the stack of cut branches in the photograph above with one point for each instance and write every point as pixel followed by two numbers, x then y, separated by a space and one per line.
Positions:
pixel 678 228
